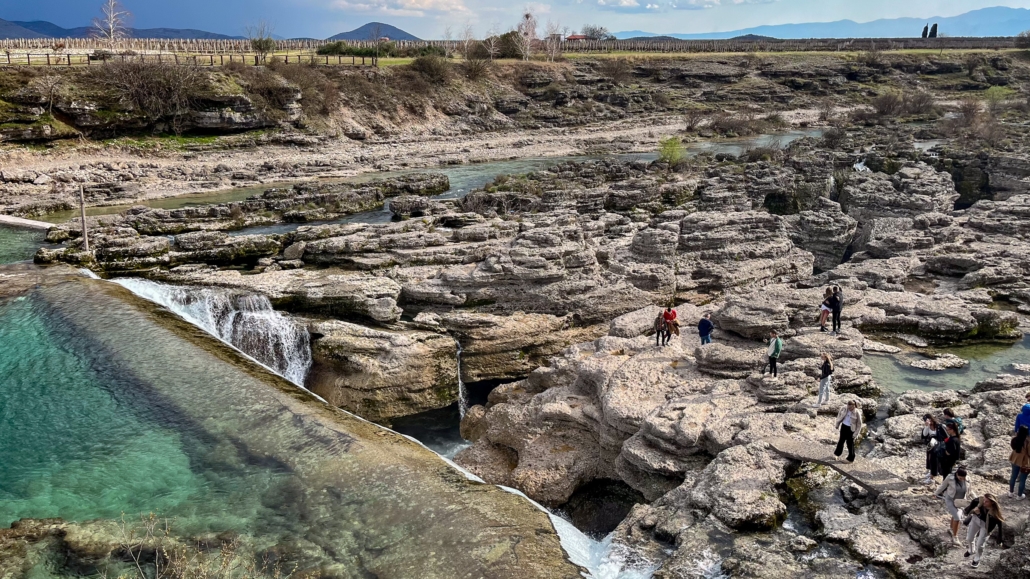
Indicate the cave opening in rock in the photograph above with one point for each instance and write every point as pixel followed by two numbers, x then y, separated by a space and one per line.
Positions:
pixel 598 507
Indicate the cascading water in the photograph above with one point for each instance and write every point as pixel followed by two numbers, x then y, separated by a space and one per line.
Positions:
pixel 247 322
pixel 463 399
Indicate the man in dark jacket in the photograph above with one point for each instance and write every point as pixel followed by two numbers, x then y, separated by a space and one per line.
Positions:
pixel 704 329
pixel 836 302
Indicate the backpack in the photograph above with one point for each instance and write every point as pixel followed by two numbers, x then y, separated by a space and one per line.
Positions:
pixel 957 423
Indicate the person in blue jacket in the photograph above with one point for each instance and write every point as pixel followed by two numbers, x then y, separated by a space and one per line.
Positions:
pixel 704 329
pixel 1023 419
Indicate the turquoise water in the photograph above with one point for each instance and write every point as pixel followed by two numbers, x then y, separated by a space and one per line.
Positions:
pixel 17 244
pixel 76 443
pixel 986 361
pixel 107 408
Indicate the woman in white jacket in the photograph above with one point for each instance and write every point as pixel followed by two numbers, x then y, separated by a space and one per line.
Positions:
pixel 955 487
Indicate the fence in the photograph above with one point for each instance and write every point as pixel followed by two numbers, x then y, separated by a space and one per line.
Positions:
pixel 69 59
pixel 74 51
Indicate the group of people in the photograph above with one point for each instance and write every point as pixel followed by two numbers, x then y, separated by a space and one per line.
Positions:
pixel 982 515
pixel 833 304
pixel 667 324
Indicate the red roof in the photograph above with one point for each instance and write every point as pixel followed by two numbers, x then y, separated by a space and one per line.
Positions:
pixel 575 37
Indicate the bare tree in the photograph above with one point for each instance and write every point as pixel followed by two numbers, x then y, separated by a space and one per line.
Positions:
pixel 526 37
pixel 594 32
pixel 113 25
pixel 466 40
pixel 553 40
pixel 375 36
pixel 492 42
pixel 49 87
pixel 261 39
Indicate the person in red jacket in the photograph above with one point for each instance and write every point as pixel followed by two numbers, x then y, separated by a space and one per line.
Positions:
pixel 672 326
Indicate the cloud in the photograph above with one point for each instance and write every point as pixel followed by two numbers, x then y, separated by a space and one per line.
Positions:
pixel 415 8
pixel 702 4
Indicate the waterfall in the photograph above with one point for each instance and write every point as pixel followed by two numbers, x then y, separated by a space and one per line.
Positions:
pixel 463 399
pixel 245 321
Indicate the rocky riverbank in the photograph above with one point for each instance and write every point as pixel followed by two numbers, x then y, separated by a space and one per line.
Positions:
pixel 548 284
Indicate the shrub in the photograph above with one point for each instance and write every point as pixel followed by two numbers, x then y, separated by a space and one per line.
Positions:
pixel 434 68
pixel 968 112
pixel 919 103
pixel 694 117
pixel 1023 39
pixel 475 67
pixel 670 150
pixel 995 96
pixel 617 70
pixel 833 138
pixel 155 90
pixel 889 104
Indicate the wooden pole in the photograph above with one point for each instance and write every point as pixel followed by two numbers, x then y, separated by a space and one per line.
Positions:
pixel 82 214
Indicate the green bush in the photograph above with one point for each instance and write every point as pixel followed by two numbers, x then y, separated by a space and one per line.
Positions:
pixel 670 150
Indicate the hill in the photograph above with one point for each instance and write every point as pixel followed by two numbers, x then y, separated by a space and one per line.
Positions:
pixel 996 21
pixel 42 28
pixel 367 31
pixel 12 30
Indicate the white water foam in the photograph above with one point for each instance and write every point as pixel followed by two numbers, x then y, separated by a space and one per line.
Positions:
pixel 463 399
pixel 245 321
pixel 212 311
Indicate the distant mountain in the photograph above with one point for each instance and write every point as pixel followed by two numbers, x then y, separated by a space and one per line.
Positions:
pixel 997 21
pixel 367 31
pixel 12 30
pixel 42 28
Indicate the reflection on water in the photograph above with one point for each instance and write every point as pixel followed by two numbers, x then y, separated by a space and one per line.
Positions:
pixel 986 361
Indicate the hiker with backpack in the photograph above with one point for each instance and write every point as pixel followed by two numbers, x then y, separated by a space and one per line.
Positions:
pixel 951 418
pixel 774 351
pixel 1020 460
pixel 984 516
pixel 955 487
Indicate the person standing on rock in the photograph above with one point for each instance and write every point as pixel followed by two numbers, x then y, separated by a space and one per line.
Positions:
pixel 660 331
pixel 824 309
pixel 825 380
pixel 704 329
pixel 951 418
pixel 1020 459
pixel 774 351
pixel 1023 418
pixel 948 451
pixel 849 421
pixel 836 306
pixel 955 487
pixel 672 325
pixel 986 516
pixel 933 434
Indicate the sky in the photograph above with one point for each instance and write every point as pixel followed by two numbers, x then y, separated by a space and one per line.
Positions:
pixel 430 18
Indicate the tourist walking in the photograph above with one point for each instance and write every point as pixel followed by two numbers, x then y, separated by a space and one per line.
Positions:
pixel 825 379
pixel 1023 418
pixel 660 331
pixel 948 451
pixel 1020 459
pixel 836 306
pixel 933 434
pixel 774 351
pixel 985 516
pixel 672 325
pixel 849 421
pixel 955 487
pixel 705 328
pixel 824 309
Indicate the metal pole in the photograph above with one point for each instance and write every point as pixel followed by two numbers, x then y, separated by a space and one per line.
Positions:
pixel 82 213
